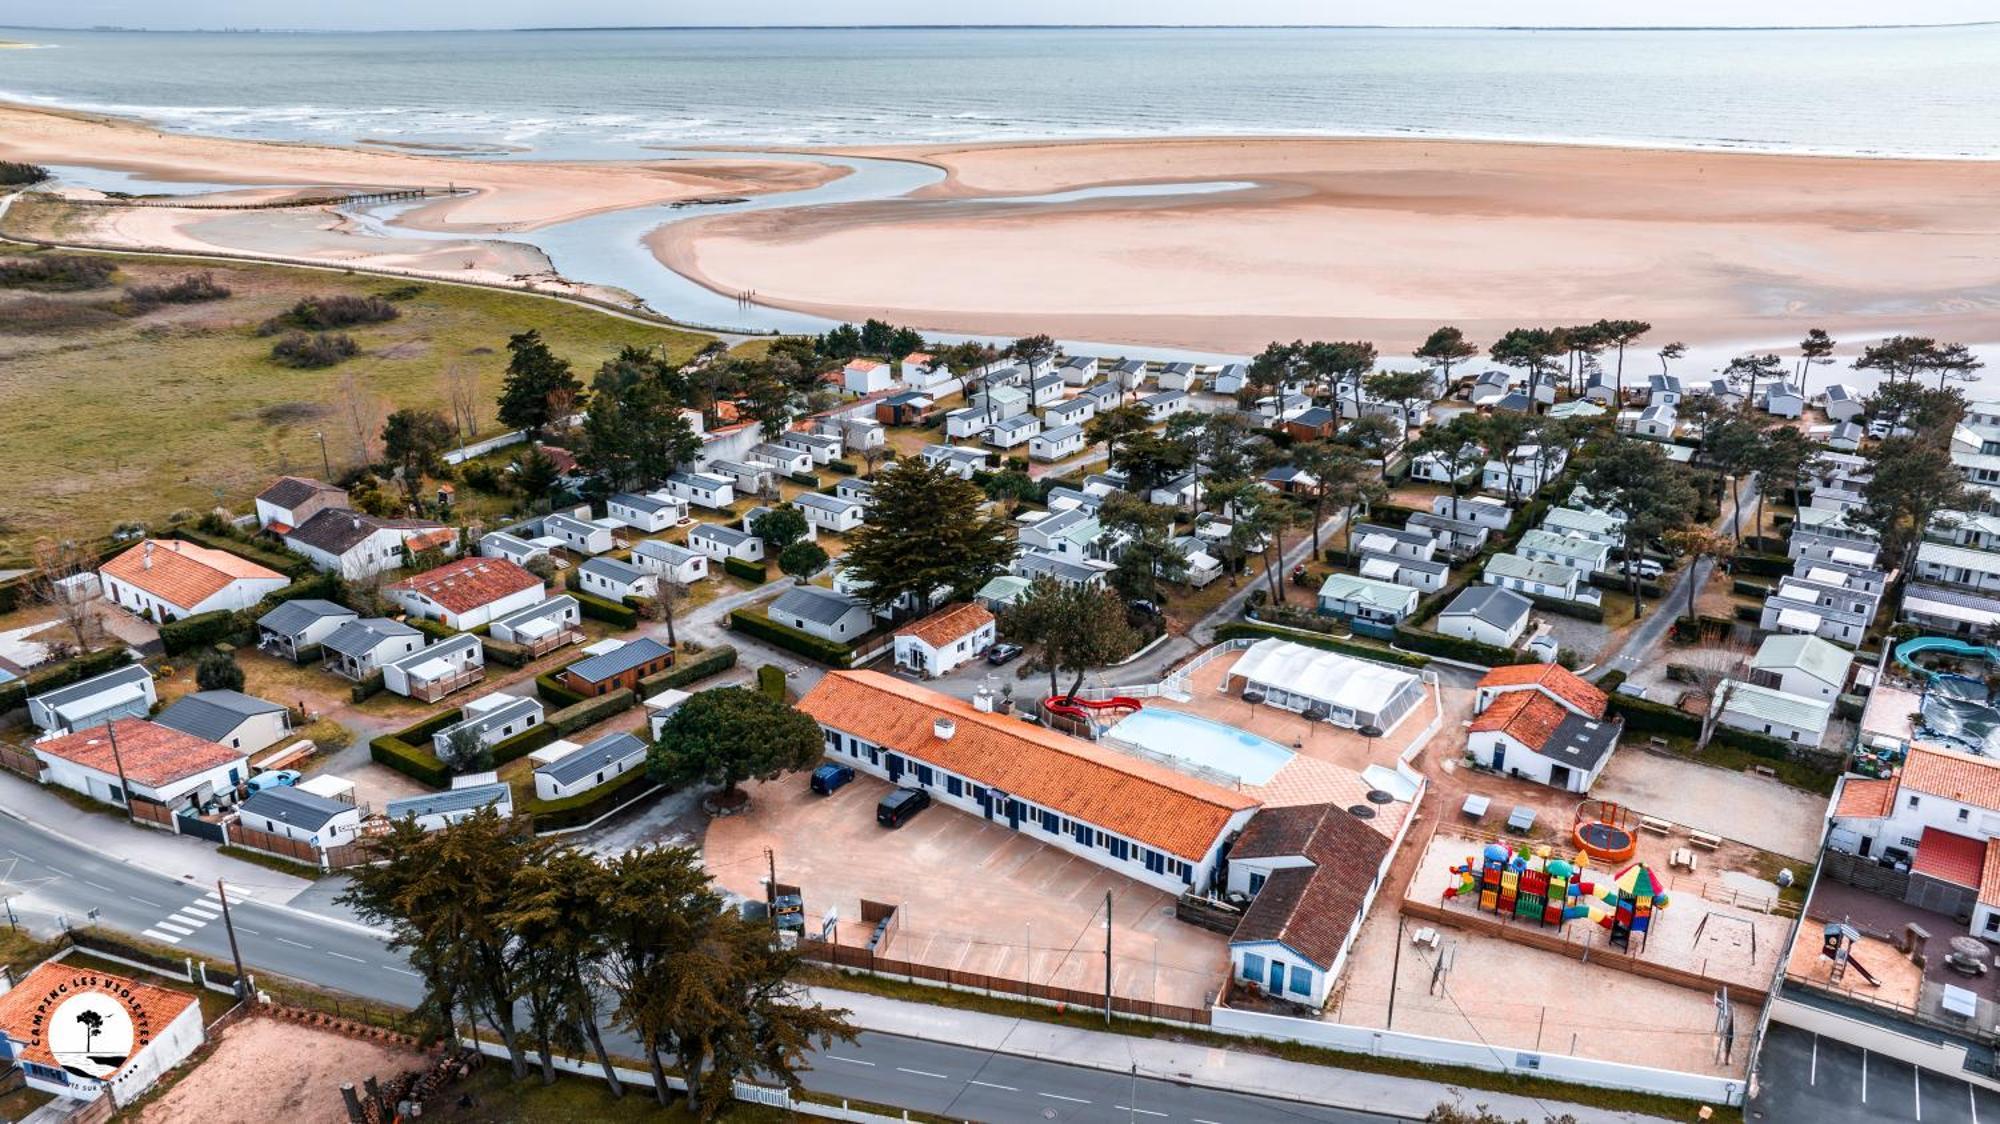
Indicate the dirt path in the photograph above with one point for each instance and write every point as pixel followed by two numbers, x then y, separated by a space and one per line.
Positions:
pixel 265 1069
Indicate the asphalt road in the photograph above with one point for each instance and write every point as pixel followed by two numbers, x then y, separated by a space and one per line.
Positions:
pixel 45 879
pixel 1643 641
pixel 1803 1076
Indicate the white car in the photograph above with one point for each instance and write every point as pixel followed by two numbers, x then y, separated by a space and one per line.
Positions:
pixel 1645 567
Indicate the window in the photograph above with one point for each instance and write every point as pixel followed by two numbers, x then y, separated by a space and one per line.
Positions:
pixel 1253 967
pixel 954 786
pixel 1913 801
pixel 1301 982
pixel 1964 814
pixel 1256 882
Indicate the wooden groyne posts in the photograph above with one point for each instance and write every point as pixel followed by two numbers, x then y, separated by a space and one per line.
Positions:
pixel 358 197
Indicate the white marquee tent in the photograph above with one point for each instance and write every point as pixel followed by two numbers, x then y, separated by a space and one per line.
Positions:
pixel 1355 693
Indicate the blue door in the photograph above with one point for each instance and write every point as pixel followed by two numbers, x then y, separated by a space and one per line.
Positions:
pixel 895 764
pixel 1014 814
pixel 1277 983
pixel 1499 757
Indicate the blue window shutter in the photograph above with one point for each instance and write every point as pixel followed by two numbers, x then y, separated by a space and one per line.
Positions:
pixel 1253 967
pixel 1301 982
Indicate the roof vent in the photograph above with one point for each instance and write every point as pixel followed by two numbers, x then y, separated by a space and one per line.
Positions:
pixel 1361 811
pixel 1378 796
pixel 944 728
pixel 146 555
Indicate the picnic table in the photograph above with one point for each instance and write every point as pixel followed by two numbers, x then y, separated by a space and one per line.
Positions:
pixel 1522 818
pixel 1476 805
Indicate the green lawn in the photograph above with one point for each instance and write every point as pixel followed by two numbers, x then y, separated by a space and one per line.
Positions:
pixel 112 417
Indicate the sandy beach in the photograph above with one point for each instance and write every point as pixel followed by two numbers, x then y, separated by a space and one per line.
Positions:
pixel 1384 239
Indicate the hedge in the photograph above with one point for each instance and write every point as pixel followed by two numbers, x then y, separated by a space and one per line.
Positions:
pixel 286 563
pixel 843 468
pixel 408 751
pixel 753 623
pixel 1647 716
pixel 506 653
pixel 1459 648
pixel 749 571
pixel 1749 589
pixel 610 612
pixel 198 631
pixel 1562 606
pixel 553 692
pixel 709 662
pixel 806 478
pixel 590 712
pixel 367 687
pixel 771 681
pixel 524 743
pixel 16 694
pixel 1250 629
pixel 436 630
pixel 586 807
pixel 1761 565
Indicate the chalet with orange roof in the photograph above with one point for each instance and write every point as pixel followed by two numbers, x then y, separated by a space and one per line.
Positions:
pixel 1128 815
pixel 167 579
pixel 79 1032
pixel 1528 734
pixel 156 763
pixel 467 593
pixel 866 376
pixel 1937 821
pixel 945 640
pixel 1558 683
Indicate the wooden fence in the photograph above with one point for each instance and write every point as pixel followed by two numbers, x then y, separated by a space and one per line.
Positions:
pixel 17 760
pixel 856 959
pixel 150 812
pixel 298 850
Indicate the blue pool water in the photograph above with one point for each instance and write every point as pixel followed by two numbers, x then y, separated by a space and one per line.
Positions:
pixel 1199 741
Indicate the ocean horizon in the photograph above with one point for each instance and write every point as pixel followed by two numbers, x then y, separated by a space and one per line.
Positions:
pixel 625 93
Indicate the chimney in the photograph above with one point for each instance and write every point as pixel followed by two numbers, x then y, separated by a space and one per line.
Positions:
pixel 983 701
pixel 944 728
pixel 146 555
pixel 356 520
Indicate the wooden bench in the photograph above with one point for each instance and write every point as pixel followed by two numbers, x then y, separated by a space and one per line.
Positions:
pixel 1704 840
pixel 1656 826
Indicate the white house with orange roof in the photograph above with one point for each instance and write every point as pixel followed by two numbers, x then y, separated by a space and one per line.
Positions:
pixel 1128 815
pixel 467 593
pixel 867 376
pixel 945 640
pixel 167 579
pixel 1937 820
pixel 79 1032
pixel 150 761
pixel 1560 684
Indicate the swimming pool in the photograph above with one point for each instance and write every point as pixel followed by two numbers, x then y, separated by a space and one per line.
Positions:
pixel 1199 741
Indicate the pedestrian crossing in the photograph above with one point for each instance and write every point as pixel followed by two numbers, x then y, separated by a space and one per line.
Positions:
pixel 184 922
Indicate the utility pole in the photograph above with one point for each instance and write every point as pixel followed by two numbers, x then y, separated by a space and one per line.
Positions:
pixel 1107 958
pixel 124 789
pixel 242 980
pixel 325 462
pixel 1395 973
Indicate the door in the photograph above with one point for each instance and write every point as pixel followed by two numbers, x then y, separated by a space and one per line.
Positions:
pixel 1276 985
pixel 1499 757
pixel 1559 777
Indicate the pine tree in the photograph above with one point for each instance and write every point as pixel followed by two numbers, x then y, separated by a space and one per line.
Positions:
pixel 927 534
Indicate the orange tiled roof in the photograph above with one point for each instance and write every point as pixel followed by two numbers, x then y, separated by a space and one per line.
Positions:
pixel 864 364
pixel 469 583
pixel 1958 776
pixel 182 573
pixel 428 539
pixel 153 755
pixel 949 624
pixel 1950 857
pixel 1553 678
pixel 916 357
pixel 1529 717
pixel 1137 799
pixel 30 1002
pixel 1866 798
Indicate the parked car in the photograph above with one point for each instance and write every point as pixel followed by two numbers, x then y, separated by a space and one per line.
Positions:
pixel 896 808
pixel 1644 567
pixel 831 776
pixel 273 778
pixel 1001 653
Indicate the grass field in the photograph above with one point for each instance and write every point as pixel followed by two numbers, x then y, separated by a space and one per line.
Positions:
pixel 108 417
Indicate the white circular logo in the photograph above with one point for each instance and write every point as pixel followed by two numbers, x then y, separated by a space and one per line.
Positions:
pixel 91 1034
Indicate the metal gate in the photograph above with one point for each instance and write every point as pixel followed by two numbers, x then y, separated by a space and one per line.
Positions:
pixel 200 828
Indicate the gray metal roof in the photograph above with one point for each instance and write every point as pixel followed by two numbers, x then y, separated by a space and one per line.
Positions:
pixel 602 753
pixel 130 673
pixel 306 810
pixel 290 491
pixel 294 617
pixel 548 608
pixel 647 504
pixel 1582 742
pixel 360 637
pixel 1062 433
pixel 727 536
pixel 836 504
pixel 494 718
pixel 596 669
pixel 455 644
pixel 452 800
pixel 1502 608
pixel 613 569
pixel 211 715
pixel 666 552
pixel 810 602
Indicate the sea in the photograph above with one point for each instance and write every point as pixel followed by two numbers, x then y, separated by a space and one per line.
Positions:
pixel 619 93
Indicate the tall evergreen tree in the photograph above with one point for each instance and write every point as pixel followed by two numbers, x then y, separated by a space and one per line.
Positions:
pixel 535 378
pixel 927 534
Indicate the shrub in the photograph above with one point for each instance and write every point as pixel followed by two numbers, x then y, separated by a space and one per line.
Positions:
pixel 325 313
pixel 524 743
pixel 198 631
pixel 366 688
pixel 713 661
pixel 217 671
pixel 1237 630
pixel 610 612
pixel 553 692
pixel 1761 565
pixel 1568 608
pixel 309 352
pixel 506 654
pixel 771 681
pixel 483 477
pixel 1749 589
pixel 748 571
pixel 191 288
pixel 1458 648
pixel 591 711
pixel 30 315
pixel 588 807
pixel 843 468
pixel 55 273
pixel 13 173
pixel 420 765
pixel 750 622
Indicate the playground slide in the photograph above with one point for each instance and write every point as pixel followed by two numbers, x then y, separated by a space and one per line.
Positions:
pixel 1074 708
pixel 1960 648
pixel 1865 973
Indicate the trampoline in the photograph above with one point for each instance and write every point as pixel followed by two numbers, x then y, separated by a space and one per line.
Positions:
pixel 1605 832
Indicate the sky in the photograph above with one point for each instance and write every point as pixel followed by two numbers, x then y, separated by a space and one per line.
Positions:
pixel 433 14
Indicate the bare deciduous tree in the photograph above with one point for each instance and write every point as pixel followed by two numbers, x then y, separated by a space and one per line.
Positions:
pixel 461 392
pixel 1713 672
pixel 56 562
pixel 664 608
pixel 362 411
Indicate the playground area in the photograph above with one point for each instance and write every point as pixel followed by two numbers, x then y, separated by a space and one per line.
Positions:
pixel 1881 957
pixel 1959 706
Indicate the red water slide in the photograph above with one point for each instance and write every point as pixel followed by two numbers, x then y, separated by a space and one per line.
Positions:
pixel 1074 708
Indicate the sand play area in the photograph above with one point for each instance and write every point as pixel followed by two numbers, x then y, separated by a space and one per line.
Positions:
pixel 266 1069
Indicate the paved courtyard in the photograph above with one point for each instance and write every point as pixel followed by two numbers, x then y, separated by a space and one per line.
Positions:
pixel 971 895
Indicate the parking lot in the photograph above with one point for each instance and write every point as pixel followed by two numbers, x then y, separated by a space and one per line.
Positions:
pixel 1807 1077
pixel 971 895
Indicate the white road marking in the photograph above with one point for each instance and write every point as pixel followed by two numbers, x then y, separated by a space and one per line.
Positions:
pixel 19 855
pixel 828 1057
pixel 249 930
pixel 201 911
pixel 100 886
pixel 293 943
pixel 185 918
pixel 1812 1074
pixel 919 1072
pixel 1199 1120
pixel 58 870
pixel 155 934
pixel 1140 1111
pixel 1973 1100
pixel 1864 1077
pixel 414 975
pixel 170 927
pixel 1917 1090
pixel 990 1085
pixel 344 956
pixel 1060 1097
pixel 144 902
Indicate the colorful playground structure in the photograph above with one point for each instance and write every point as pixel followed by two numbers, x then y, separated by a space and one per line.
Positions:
pixel 1605 831
pixel 1534 885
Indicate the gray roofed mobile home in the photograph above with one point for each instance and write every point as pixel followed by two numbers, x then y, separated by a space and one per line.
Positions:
pixel 452 800
pixel 602 753
pixel 651 505
pixel 307 811
pixel 810 602
pixel 212 715
pixel 492 718
pixel 669 553
pixel 294 617
pixel 129 676
pixel 360 637
pixel 1062 433
pixel 552 607
pixel 464 641
pixel 625 657
pixel 612 569
pixel 726 536
pixel 1501 608
pixel 822 502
